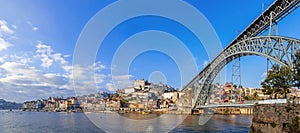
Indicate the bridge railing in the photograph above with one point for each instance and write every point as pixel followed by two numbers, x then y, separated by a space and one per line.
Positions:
pixel 247 103
pixel 229 104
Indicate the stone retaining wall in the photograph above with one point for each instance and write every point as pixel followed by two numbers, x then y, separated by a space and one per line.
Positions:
pixel 276 118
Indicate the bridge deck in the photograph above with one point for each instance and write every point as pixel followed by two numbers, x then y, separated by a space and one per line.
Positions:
pixel 273 48
pixel 225 105
pixel 278 10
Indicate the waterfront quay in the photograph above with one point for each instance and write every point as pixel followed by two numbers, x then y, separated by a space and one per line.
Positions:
pixel 144 97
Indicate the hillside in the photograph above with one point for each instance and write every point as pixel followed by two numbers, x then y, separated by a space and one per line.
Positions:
pixel 9 105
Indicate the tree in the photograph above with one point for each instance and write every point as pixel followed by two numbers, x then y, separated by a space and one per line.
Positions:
pixel 278 81
pixel 240 86
pixel 124 103
pixel 296 70
pixel 234 86
pixel 255 95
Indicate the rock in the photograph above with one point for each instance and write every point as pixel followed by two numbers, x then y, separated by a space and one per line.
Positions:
pixel 275 118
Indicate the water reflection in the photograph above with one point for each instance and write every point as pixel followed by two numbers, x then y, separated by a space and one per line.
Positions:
pixel 217 123
pixel 138 116
pixel 32 122
pixel 113 122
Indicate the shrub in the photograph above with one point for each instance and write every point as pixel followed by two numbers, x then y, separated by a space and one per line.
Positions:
pixel 273 124
pixel 288 109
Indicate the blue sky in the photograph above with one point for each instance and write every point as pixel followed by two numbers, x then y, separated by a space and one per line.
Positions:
pixel 38 39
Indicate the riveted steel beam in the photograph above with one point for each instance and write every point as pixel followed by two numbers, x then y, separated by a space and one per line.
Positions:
pixel 277 48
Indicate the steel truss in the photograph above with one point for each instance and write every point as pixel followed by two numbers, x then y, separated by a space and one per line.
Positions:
pixel 277 48
pixel 278 10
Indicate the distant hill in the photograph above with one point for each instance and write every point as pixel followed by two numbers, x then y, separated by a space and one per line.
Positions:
pixel 9 105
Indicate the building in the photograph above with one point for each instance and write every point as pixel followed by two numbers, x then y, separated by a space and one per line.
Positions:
pixel 139 84
pixel 129 90
pixel 170 95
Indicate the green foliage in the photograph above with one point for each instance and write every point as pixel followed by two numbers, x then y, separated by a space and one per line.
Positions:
pixel 280 79
pixel 234 86
pixel 296 119
pixel 124 103
pixel 273 124
pixel 294 125
pixel 288 109
pixel 240 86
pixel 296 69
pixel 255 96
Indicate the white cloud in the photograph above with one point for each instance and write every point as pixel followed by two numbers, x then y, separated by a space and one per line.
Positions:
pixel 4 28
pixel 100 78
pixel 205 63
pixel 88 72
pixel 2 59
pixel 59 58
pixel 82 73
pixel 48 57
pixel 121 77
pixel 23 77
pixel 66 56
pixel 4 44
pixel 88 79
pixel 14 26
pixel 46 62
pixel 43 48
pixel 24 58
pixel 98 66
pixel 14 71
pixel 119 82
pixel 35 28
pixel 111 87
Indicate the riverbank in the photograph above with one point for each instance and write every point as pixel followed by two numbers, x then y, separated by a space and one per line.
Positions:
pixel 219 111
pixel 227 111
pixel 276 118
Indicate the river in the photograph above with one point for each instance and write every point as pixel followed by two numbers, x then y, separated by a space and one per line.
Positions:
pixel 58 122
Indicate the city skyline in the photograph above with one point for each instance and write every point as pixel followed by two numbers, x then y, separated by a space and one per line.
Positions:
pixel 38 39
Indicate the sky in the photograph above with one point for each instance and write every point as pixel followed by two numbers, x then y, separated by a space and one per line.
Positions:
pixel 40 42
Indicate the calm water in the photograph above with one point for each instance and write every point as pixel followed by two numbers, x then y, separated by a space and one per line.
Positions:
pixel 32 122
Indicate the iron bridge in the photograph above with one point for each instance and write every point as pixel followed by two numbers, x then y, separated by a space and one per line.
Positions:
pixel 277 48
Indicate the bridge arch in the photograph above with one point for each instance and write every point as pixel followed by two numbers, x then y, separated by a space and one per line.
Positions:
pixel 277 48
